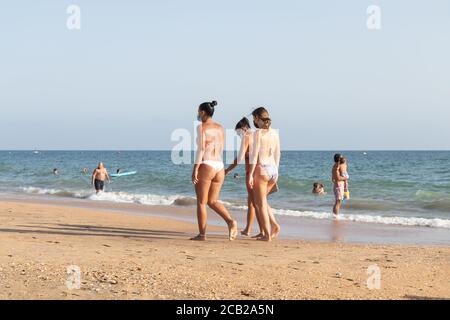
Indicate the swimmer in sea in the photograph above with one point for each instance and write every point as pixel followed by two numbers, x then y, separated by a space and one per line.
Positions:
pixel 318 188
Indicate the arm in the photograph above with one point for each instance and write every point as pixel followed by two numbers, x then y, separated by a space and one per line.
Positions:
pixel 231 167
pixel 254 151
pixel 107 176
pixel 93 177
pixel 241 155
pixel 337 175
pixel 199 154
pixel 277 150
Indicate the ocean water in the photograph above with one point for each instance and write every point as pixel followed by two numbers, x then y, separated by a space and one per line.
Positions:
pixel 387 187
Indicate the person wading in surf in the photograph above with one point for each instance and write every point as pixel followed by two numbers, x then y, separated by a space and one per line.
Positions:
pixel 99 176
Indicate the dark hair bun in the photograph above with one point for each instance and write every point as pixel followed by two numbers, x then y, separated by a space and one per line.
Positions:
pixel 213 104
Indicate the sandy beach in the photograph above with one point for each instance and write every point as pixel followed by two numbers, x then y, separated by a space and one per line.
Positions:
pixel 124 256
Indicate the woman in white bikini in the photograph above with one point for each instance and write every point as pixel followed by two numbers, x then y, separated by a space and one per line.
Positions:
pixel 208 174
pixel 265 157
pixel 246 134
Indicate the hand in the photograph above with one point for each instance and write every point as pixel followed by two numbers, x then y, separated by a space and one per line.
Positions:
pixel 195 177
pixel 251 182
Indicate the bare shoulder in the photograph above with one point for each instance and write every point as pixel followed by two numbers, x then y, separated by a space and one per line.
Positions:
pixel 275 134
pixel 218 126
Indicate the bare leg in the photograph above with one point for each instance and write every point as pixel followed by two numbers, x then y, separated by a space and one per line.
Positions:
pixel 337 207
pixel 201 190
pixel 260 194
pixel 213 203
pixel 251 212
pixel 275 227
pixel 250 217
pixel 258 218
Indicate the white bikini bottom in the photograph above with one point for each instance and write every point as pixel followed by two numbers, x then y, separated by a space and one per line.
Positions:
pixel 271 171
pixel 216 165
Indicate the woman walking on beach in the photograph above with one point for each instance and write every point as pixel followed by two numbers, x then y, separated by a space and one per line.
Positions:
pixel 244 131
pixel 208 173
pixel 265 157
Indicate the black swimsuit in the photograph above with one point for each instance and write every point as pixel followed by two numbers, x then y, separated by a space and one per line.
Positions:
pixel 99 184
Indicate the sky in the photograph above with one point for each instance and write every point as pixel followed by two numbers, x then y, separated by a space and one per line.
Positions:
pixel 137 70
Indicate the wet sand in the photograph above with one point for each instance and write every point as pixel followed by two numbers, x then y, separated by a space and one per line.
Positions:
pixel 327 230
pixel 130 256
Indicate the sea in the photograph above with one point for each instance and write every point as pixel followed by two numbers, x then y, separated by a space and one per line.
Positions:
pixel 403 188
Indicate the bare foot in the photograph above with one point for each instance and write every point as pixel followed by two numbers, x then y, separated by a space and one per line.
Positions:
pixel 275 231
pixel 259 235
pixel 200 237
pixel 232 228
pixel 264 238
pixel 245 233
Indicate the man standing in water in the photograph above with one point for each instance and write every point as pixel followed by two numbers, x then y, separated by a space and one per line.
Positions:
pixel 338 184
pixel 98 178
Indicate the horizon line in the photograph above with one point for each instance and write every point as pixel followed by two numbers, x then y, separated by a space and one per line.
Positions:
pixel 168 150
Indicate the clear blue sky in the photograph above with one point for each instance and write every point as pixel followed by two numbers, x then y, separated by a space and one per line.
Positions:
pixel 138 70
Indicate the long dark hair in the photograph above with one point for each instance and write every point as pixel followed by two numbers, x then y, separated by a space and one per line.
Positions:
pixel 243 123
pixel 258 112
pixel 208 107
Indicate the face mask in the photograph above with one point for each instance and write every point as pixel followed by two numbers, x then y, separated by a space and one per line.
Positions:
pixel 199 118
pixel 240 132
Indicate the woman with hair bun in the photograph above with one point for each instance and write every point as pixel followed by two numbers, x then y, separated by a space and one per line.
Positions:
pixel 208 173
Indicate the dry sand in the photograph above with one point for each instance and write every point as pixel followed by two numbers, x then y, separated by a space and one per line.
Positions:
pixel 134 257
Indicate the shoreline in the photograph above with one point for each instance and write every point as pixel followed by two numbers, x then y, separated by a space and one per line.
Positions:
pixel 127 256
pixel 301 228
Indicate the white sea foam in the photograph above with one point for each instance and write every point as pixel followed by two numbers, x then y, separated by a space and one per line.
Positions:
pixel 392 220
pixel 152 199
pixel 118 197
pixel 123 197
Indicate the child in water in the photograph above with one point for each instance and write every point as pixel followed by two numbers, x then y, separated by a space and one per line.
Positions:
pixel 318 188
pixel 344 173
